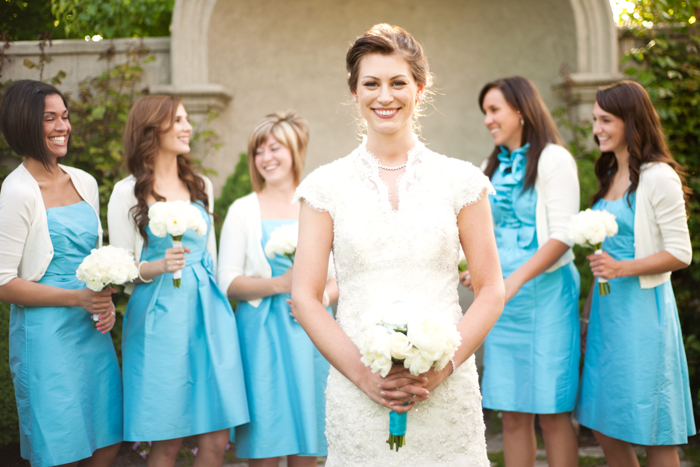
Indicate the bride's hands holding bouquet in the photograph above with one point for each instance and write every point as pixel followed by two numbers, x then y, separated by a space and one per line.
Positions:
pixel 398 387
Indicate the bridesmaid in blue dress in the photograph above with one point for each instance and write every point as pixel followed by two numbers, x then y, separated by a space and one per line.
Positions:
pixel 65 372
pixel 181 360
pixel 635 387
pixel 531 356
pixel 284 373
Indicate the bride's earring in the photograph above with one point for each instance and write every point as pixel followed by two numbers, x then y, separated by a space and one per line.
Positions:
pixel 522 120
pixel 419 97
pixel 354 98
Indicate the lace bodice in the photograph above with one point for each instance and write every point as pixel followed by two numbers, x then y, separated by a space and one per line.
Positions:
pixel 380 255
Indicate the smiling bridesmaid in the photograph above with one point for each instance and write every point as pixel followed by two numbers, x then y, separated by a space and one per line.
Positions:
pixel 65 372
pixel 531 356
pixel 285 374
pixel 635 386
pixel 182 367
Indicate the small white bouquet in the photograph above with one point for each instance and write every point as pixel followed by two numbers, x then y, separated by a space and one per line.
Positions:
pixel 104 266
pixel 407 333
pixel 589 228
pixel 283 241
pixel 175 218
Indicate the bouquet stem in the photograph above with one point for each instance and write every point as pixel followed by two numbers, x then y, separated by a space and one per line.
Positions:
pixel 291 257
pixel 177 275
pixel 397 430
pixel 603 286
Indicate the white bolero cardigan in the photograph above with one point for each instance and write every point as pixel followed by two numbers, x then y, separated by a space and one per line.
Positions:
pixel 240 250
pixel 25 243
pixel 660 222
pixel 124 233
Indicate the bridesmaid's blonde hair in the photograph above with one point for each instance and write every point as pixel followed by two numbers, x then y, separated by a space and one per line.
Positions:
pixel 291 131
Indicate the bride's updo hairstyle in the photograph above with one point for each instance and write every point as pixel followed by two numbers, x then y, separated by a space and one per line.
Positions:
pixel 385 39
pixel 291 131
pixel 149 118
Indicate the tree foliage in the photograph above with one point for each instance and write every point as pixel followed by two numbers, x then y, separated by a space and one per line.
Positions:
pixel 113 18
pixel 74 19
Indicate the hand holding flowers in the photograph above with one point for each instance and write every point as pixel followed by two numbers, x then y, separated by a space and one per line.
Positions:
pixel 104 266
pixel 589 228
pixel 407 333
pixel 175 218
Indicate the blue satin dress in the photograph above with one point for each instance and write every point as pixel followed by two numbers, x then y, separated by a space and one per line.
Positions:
pixel 181 359
pixel 531 356
pixel 285 376
pixel 65 372
pixel 635 384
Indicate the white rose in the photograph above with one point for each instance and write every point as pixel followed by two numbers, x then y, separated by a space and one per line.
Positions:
pixel 94 284
pixel 400 345
pixel 118 273
pixel 417 363
pixel 595 233
pixel 376 350
pixel 175 225
pixel 428 335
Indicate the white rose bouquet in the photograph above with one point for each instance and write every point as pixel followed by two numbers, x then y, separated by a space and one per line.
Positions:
pixel 589 228
pixel 283 241
pixel 104 266
pixel 175 218
pixel 407 333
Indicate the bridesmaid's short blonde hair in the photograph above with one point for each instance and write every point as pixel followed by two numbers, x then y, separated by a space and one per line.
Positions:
pixel 291 131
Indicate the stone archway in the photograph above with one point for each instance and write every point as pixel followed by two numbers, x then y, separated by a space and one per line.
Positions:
pixel 596 39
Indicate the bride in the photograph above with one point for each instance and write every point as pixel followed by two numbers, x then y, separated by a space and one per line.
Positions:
pixel 395 214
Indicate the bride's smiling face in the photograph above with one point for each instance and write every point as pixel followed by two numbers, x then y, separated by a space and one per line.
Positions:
pixel 386 92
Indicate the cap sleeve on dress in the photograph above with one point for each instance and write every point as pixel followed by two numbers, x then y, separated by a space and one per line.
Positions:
pixel 316 190
pixel 469 184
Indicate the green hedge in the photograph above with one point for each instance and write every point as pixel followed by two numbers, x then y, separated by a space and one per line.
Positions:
pixel 9 423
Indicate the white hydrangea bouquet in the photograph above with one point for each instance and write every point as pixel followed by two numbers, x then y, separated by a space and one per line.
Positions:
pixel 407 333
pixel 175 218
pixel 589 228
pixel 283 241
pixel 104 266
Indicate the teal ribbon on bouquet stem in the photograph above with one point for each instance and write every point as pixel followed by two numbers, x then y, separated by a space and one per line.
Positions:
pixel 397 429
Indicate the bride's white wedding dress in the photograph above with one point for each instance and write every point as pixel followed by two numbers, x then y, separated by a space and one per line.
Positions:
pixel 380 253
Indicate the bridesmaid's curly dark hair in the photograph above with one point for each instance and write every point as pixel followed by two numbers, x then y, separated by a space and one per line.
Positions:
pixel 629 101
pixel 149 118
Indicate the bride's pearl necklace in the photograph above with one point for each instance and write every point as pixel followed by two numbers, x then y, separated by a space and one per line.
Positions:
pixel 398 167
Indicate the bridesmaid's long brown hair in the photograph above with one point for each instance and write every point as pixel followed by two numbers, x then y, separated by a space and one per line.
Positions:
pixel 150 117
pixel 629 101
pixel 538 126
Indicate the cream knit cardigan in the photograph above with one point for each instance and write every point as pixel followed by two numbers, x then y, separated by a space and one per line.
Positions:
pixel 25 243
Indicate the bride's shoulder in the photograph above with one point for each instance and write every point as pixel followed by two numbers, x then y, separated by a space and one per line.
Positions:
pixel 451 167
pixel 464 182
pixel 319 187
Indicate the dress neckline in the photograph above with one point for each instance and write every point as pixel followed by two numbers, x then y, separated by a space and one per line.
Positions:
pixel 67 205
pixel 371 163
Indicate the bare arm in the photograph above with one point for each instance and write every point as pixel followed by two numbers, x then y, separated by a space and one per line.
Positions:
pixel 251 288
pixel 479 245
